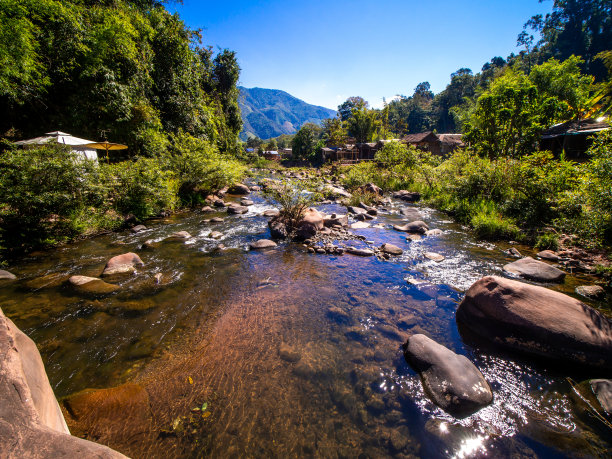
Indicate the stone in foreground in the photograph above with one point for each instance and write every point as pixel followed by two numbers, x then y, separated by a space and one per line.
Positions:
pixel 122 264
pixel 534 270
pixel 537 321
pixel 451 380
pixel 262 244
pixel 433 256
pixel 359 252
pixel 31 423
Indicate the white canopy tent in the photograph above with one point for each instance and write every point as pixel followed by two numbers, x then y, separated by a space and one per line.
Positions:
pixel 79 146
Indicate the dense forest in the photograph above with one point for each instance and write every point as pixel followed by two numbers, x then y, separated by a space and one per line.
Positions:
pixel 125 67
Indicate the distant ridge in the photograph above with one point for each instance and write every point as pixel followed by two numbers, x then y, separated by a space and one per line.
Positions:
pixel 269 113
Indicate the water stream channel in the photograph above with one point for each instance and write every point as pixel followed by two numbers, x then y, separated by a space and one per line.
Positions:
pixel 249 335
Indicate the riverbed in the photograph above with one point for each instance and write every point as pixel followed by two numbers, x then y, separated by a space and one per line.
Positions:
pixel 253 343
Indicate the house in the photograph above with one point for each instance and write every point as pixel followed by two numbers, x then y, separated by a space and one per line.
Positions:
pixel 77 145
pixel 438 144
pixel 572 137
pixel 272 155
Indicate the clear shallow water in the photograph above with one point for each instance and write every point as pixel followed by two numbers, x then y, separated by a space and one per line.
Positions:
pixel 236 323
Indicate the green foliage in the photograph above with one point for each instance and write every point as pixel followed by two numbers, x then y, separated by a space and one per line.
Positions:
pixel 128 67
pixel 362 124
pixel 198 167
pixel 489 223
pixel 43 192
pixel 547 241
pixel 293 199
pixel 307 143
pixel 142 187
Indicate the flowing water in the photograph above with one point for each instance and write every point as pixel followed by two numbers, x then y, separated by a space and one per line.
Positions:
pixel 251 337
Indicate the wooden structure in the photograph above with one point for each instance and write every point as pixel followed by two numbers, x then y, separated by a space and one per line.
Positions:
pixel 572 137
pixel 438 144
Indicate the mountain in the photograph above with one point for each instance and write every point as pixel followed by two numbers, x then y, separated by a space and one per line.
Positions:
pixel 269 113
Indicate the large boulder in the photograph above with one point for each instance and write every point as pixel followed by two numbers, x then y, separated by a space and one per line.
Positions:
pixel 534 270
pixel 418 226
pixel 278 229
pixel 451 380
pixel 391 249
pixel 122 264
pixel 31 422
pixel 311 222
pixel 237 210
pixel 239 189
pixel 537 321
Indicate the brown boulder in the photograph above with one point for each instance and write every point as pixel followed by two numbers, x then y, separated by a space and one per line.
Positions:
pixel 239 189
pixel 548 255
pixel 237 209
pixel 534 270
pixel 31 422
pixel 122 264
pixel 5 275
pixel 311 222
pixel 409 196
pixel 537 321
pixel 262 244
pixel 391 249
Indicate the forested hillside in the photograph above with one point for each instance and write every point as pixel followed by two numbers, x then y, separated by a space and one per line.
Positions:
pixel 269 113
pixel 127 67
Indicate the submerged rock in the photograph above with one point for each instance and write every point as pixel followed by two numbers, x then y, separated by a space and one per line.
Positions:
pixel 122 264
pixel 418 226
pixel 359 252
pixel 178 236
pixel 537 321
pixel 207 209
pixel 124 410
pixel 92 285
pixel 31 422
pixel 289 353
pixel 534 270
pixel 138 229
pixel 451 380
pixel 262 244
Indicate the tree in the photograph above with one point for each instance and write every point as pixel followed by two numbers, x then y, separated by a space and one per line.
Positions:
pixel 307 143
pixel 576 27
pixel 334 132
pixel 363 124
pixel 345 109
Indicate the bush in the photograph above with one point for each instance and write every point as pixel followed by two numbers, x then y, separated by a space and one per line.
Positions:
pixel 142 187
pixel 489 223
pixel 42 193
pixel 547 241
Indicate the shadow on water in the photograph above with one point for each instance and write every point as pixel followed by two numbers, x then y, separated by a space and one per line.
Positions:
pixel 280 353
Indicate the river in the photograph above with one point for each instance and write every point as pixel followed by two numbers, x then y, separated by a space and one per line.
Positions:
pixel 249 338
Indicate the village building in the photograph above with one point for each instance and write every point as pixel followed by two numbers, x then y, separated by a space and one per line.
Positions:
pixel 572 137
pixel 437 144
pixel 272 155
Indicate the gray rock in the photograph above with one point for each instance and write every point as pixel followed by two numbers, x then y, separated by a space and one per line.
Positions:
pixel 595 292
pixel 410 212
pixel 289 353
pixel 239 189
pixel 217 220
pixel 356 210
pixel 278 230
pixel 391 249
pixel 336 220
pixel 262 244
pixel 363 217
pixel 451 380
pixel 418 226
pixel 359 252
pixel 215 235
pixel 537 321
pixel 246 202
pixel 179 236
pixel 433 256
pixel 548 255
pixel 409 196
pixel 534 270
pixel 237 210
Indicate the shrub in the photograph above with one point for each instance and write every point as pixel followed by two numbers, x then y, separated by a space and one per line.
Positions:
pixel 42 191
pixel 489 223
pixel 141 187
pixel 547 241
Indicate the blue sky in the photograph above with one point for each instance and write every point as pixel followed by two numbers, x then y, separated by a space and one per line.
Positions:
pixel 326 51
